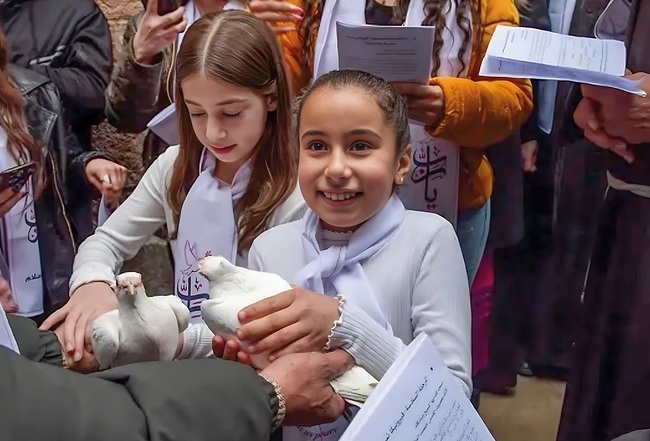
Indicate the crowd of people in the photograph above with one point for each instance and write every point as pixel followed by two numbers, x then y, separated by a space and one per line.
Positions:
pixel 260 149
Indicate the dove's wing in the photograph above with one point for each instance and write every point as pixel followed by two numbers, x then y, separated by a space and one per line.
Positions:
pixel 175 304
pixel 105 338
pixel 355 385
pixel 221 317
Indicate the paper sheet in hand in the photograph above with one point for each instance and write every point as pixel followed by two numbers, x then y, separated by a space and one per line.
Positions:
pixel 531 53
pixel 394 53
pixel 7 338
pixel 418 400
pixel 165 125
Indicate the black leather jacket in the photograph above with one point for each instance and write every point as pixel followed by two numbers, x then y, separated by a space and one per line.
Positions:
pixel 64 162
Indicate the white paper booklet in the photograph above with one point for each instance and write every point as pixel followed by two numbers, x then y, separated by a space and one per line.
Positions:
pixel 165 125
pixel 418 400
pixel 7 338
pixel 394 53
pixel 543 55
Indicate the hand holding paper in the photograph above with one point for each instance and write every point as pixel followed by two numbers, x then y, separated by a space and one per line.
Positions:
pixel 531 53
pixel 612 119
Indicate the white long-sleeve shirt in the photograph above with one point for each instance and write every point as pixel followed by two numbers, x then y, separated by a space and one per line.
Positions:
pixel 421 286
pixel 101 256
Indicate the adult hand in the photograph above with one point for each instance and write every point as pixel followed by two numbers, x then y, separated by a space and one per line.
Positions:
pixel 156 32
pixel 86 304
pixel 304 381
pixel 86 365
pixel 586 117
pixel 9 198
pixel 614 117
pixel 107 177
pixel 529 156
pixel 426 103
pixel 278 14
pixel 297 320
pixel 230 350
pixel 6 300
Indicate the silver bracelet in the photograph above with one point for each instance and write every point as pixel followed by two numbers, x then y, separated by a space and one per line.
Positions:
pixel 278 419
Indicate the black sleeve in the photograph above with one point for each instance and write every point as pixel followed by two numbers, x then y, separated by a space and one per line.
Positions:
pixel 86 71
pixel 189 400
pixel 35 345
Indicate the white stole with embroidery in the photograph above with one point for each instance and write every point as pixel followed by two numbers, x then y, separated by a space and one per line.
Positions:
pixel 20 244
pixel 207 227
pixel 432 184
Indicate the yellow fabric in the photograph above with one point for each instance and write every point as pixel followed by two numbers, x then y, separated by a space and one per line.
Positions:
pixel 478 111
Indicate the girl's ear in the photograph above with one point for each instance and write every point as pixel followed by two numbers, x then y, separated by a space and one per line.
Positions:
pixel 403 165
pixel 272 103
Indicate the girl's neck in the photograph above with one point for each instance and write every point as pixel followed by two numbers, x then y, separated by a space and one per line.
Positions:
pixel 226 171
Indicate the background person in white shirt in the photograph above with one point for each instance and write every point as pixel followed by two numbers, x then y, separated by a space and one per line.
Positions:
pixel 388 274
pixel 233 175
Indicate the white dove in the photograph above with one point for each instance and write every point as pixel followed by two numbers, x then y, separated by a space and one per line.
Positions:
pixel 233 288
pixel 142 328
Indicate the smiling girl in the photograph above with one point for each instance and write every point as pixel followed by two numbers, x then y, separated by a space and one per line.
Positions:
pixel 371 275
pixel 232 176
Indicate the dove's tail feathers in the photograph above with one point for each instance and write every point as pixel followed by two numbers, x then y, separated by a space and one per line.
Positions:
pixel 180 311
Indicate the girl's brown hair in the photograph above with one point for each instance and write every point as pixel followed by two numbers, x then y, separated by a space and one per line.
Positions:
pixel 22 146
pixel 435 10
pixel 236 47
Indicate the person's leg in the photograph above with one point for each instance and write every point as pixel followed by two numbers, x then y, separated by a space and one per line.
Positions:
pixel 472 230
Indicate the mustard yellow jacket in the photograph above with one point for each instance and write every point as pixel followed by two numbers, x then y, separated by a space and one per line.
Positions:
pixel 478 111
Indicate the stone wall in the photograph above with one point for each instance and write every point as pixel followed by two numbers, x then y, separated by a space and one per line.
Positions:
pixel 153 261
pixel 128 148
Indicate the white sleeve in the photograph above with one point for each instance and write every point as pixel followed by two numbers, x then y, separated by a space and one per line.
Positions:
pixel 197 342
pixel 440 309
pixel 123 234
pixel 255 262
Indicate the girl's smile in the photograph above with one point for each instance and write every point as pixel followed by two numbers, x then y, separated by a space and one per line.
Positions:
pixel 349 161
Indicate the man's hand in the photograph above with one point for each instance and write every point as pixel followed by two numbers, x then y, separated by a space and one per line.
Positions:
pixel 304 380
pixel 612 119
pixel 156 32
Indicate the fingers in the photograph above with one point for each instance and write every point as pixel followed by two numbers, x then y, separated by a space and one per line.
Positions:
pixel 218 346
pixel 244 357
pixel 69 327
pixel 151 8
pixel 339 362
pixel 231 349
pixel 615 145
pixel 585 115
pixel 172 18
pixel 53 320
pixel 297 346
pixel 272 332
pixel 6 195
pixel 80 337
pixel 266 307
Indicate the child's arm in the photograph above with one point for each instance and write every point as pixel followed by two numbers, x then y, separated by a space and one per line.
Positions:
pixel 440 308
pixel 127 229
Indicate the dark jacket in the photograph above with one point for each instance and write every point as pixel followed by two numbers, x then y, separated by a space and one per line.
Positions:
pixel 188 400
pixel 67 41
pixel 55 207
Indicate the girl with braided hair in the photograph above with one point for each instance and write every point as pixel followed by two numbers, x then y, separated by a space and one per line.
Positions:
pixel 458 110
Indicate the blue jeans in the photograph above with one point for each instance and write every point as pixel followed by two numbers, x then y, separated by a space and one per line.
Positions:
pixel 472 230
